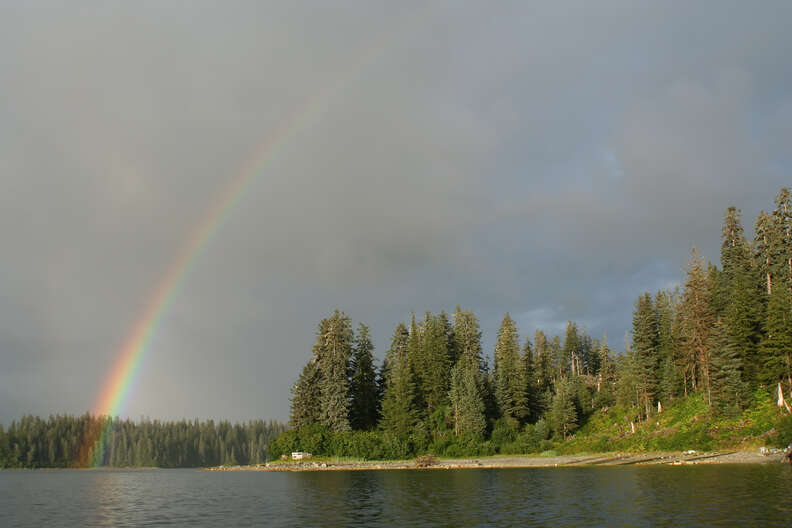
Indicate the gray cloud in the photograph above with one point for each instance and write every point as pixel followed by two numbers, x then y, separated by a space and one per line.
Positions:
pixel 550 160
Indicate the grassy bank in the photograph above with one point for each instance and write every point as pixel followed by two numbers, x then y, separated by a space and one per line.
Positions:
pixel 685 424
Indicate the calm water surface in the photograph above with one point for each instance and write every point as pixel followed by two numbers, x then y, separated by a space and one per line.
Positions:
pixel 602 496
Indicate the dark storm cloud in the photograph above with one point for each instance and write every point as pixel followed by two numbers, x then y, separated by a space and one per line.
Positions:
pixel 553 161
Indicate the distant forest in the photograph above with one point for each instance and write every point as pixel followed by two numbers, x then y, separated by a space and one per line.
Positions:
pixel 60 442
pixel 724 334
pixel 723 340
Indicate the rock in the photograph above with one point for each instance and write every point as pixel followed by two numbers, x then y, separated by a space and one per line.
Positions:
pixel 764 451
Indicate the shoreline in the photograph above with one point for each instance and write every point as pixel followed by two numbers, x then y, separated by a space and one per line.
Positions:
pixel 521 461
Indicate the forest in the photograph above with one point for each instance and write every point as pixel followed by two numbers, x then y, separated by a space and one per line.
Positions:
pixel 60 442
pixel 714 354
pixel 722 340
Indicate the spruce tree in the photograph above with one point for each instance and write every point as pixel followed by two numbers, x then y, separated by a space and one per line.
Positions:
pixel 776 347
pixel 763 249
pixel 563 413
pixel 543 366
pixel 397 349
pixel 728 389
pixel 508 380
pixel 335 349
pixel 468 339
pixel 644 351
pixel 697 322
pixel 433 363
pixel 667 374
pixel 781 240
pixel 399 413
pixel 467 403
pixel 529 383
pixel 363 383
pixel 571 359
pixel 739 295
pixel 306 394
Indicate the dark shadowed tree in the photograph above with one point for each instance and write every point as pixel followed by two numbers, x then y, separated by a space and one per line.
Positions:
pixel 363 412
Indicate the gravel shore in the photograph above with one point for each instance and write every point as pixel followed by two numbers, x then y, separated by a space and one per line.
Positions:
pixel 606 459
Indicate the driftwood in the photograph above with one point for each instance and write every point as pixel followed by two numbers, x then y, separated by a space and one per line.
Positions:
pixel 425 461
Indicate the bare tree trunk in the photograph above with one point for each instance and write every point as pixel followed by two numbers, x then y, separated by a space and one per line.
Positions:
pixel 781 401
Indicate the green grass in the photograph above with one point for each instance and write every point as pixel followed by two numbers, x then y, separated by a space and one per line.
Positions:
pixel 687 424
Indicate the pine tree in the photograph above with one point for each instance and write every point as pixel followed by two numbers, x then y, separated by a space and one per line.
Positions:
pixel 528 379
pixel 563 414
pixel 775 350
pixel 543 366
pixel 306 393
pixel 363 383
pixel 644 351
pixel 508 380
pixel 728 389
pixel 397 349
pixel 433 364
pixel 335 348
pixel 467 404
pixel 781 240
pixel 571 352
pixel 468 339
pixel 738 295
pixel 399 413
pixel 762 250
pixel 697 322
pixel 669 380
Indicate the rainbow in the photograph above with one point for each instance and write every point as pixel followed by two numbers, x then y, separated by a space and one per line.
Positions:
pixel 116 389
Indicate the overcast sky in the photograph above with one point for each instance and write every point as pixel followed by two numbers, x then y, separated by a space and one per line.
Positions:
pixel 551 160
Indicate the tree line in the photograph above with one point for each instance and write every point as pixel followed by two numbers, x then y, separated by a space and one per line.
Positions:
pixel 61 441
pixel 724 333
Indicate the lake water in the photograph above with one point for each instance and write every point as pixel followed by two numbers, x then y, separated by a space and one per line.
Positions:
pixel 572 496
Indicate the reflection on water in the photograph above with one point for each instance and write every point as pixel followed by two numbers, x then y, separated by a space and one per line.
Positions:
pixel 633 496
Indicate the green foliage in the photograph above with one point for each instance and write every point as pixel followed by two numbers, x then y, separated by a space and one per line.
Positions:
pixel 509 377
pixel 467 402
pixel 563 412
pixel 363 413
pixel 332 351
pixel 775 349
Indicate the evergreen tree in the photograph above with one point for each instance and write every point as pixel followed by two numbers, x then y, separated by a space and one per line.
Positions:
pixel 669 381
pixel 397 349
pixel 508 379
pixel 763 249
pixel 468 339
pixel 697 322
pixel 739 297
pixel 571 359
pixel 335 348
pixel 529 383
pixel 467 404
pixel 433 364
pixel 399 413
pixel 563 414
pixel 776 347
pixel 727 386
pixel 306 393
pixel 644 351
pixel 781 240
pixel 543 366
pixel 363 384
